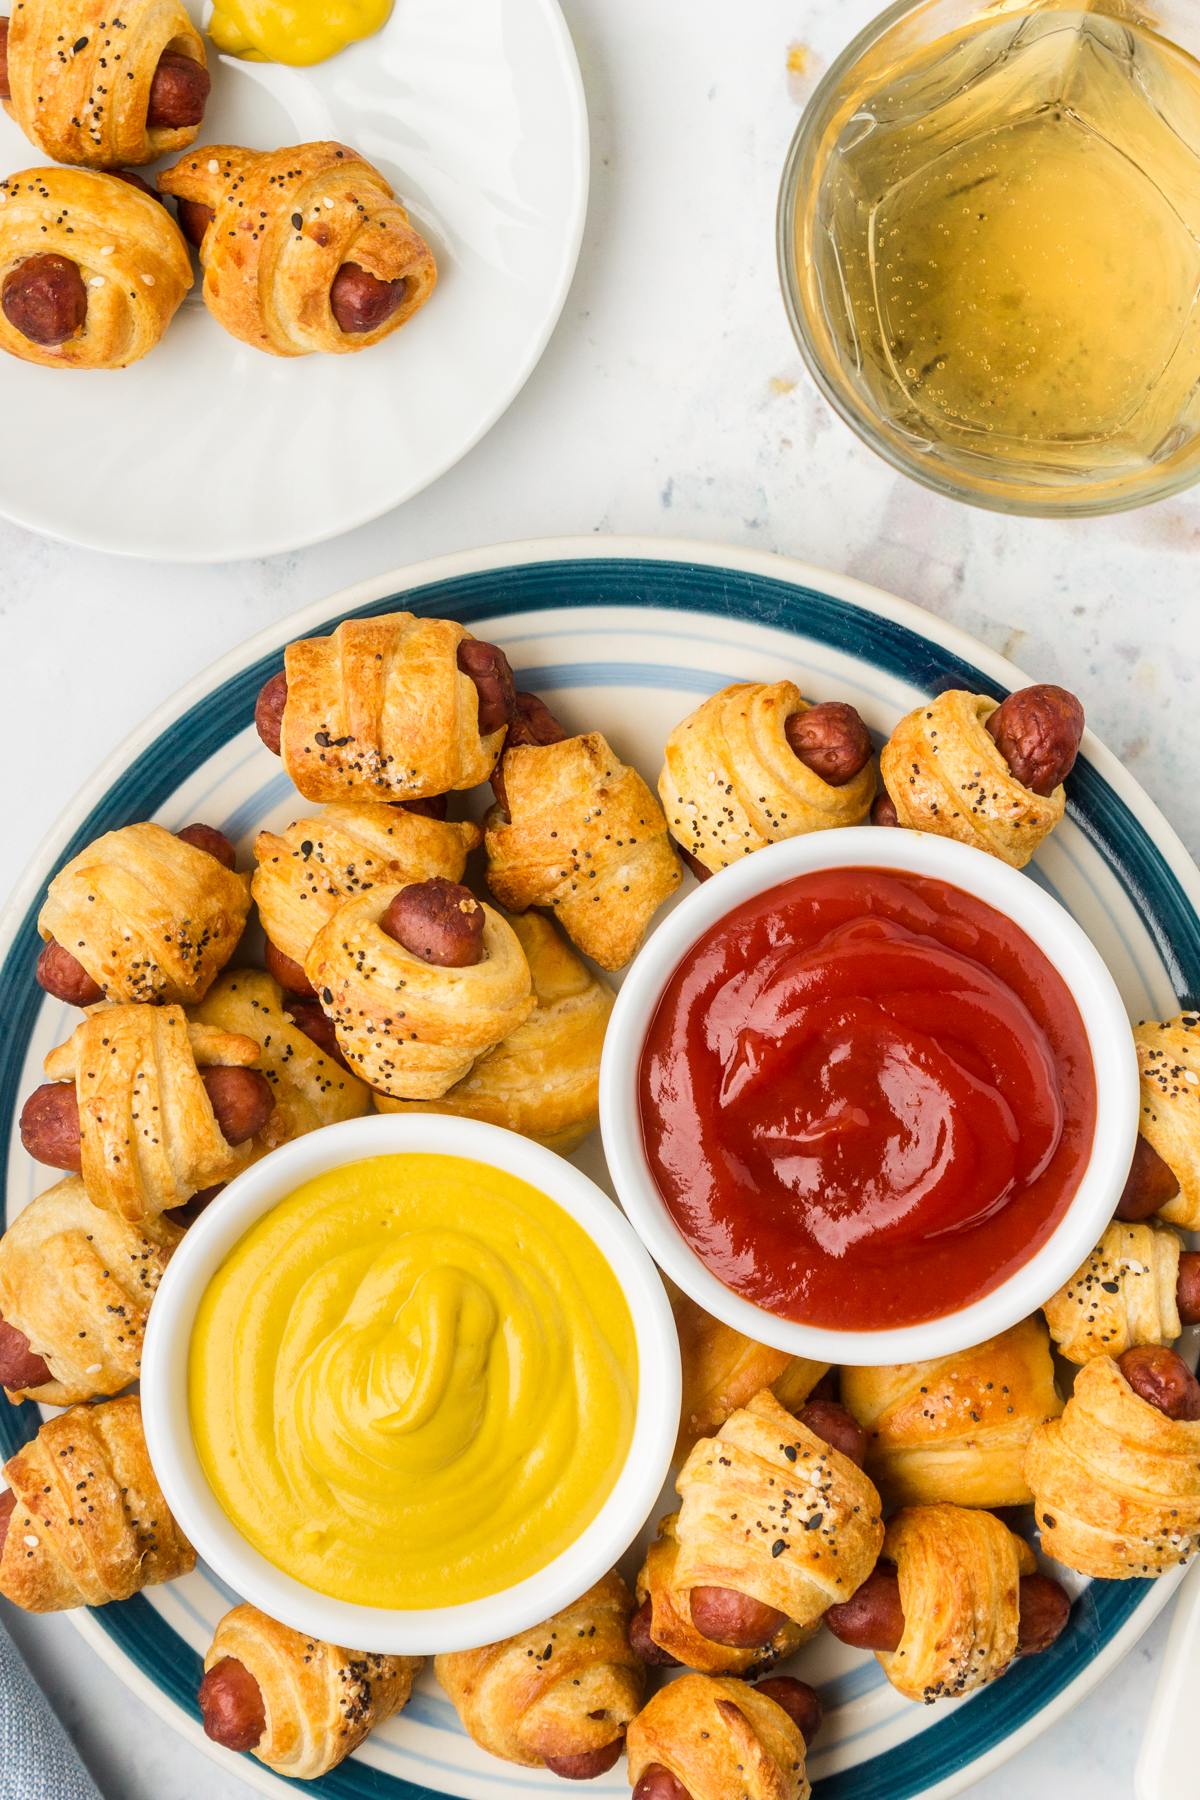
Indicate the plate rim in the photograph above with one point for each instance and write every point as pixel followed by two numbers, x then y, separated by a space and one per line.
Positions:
pixel 572 243
pixel 495 558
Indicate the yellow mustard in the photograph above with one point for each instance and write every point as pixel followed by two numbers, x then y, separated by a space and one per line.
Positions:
pixel 293 31
pixel 412 1383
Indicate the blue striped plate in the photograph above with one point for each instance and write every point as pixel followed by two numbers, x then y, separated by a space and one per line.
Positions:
pixel 627 636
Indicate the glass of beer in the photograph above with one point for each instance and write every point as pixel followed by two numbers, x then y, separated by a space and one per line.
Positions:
pixel 989 243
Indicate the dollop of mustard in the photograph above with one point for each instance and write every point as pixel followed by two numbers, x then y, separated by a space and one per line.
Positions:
pixel 299 32
pixel 413 1382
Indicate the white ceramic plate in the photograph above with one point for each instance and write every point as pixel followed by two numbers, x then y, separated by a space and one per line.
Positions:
pixel 209 451
pixel 628 636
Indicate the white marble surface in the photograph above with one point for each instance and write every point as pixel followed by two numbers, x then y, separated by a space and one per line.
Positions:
pixel 671 401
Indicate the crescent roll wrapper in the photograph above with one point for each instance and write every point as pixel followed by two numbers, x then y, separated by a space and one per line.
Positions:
pixel 731 782
pixel 585 837
pixel 960 1582
pixel 543 1079
pixel 380 710
pixel 130 253
pixel 310 869
pixel 149 916
pixel 1122 1295
pixel 721 1739
pixel 311 1090
pixel 90 1523
pixel 80 74
pixel 1168 1056
pixel 955 1428
pixel 320 1700
pixel 772 1510
pixel 565 1687
pixel 411 1028
pixel 78 1281
pixel 945 774
pixel 284 223
pixel 147 1130
pixel 722 1371
pixel 1116 1483
pixel 671 1625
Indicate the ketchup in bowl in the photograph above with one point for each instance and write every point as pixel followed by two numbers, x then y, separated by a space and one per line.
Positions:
pixel 866 1098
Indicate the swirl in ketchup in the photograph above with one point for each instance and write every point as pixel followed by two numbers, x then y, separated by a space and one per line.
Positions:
pixel 867 1098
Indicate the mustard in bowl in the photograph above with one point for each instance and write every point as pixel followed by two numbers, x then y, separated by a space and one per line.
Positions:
pixel 411 1383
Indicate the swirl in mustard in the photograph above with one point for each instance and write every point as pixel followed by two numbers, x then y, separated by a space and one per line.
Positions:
pixel 413 1382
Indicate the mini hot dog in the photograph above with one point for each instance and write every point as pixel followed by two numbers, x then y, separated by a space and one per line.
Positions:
pixel 288 973
pixel 1151 1182
pixel 194 220
pixel 231 1705
pixel 1160 1376
pixel 1038 731
pixel 300 1704
pixel 799 1701
pixel 438 920
pixel 719 1741
pixel 178 92
pixel 307 1014
pixel 359 301
pixel 208 838
pixel 20 1366
pixel 831 740
pixel 45 299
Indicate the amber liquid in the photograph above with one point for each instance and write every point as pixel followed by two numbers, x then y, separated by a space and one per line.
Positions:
pixel 1009 245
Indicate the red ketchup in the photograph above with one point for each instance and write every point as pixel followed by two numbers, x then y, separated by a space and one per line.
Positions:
pixel 866 1098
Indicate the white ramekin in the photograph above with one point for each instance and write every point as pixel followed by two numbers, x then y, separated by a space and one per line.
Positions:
pixel 1055 933
pixel 168 1427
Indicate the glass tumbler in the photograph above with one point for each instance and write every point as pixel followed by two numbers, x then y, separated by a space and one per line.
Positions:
pixel 989 246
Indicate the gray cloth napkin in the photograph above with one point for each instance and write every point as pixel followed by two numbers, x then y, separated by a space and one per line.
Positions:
pixel 38 1761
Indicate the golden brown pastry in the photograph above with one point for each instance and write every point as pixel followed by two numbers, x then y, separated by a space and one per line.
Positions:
pixel 673 1630
pixel 732 783
pixel 956 1428
pixel 149 916
pixel 1123 1294
pixel 1116 1483
pixel 311 1089
pixel 721 1740
pixel 307 871
pixel 380 710
pixel 300 1705
pixel 287 226
pixel 148 1133
pixel 77 1282
pixel 1169 1062
pixel 960 1572
pixel 543 1079
pixel 945 774
pixel 411 1028
pixel 722 1371
pixel 771 1510
pixel 91 270
pixel 584 836
pixel 561 1693
pixel 87 1522
pixel 82 79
